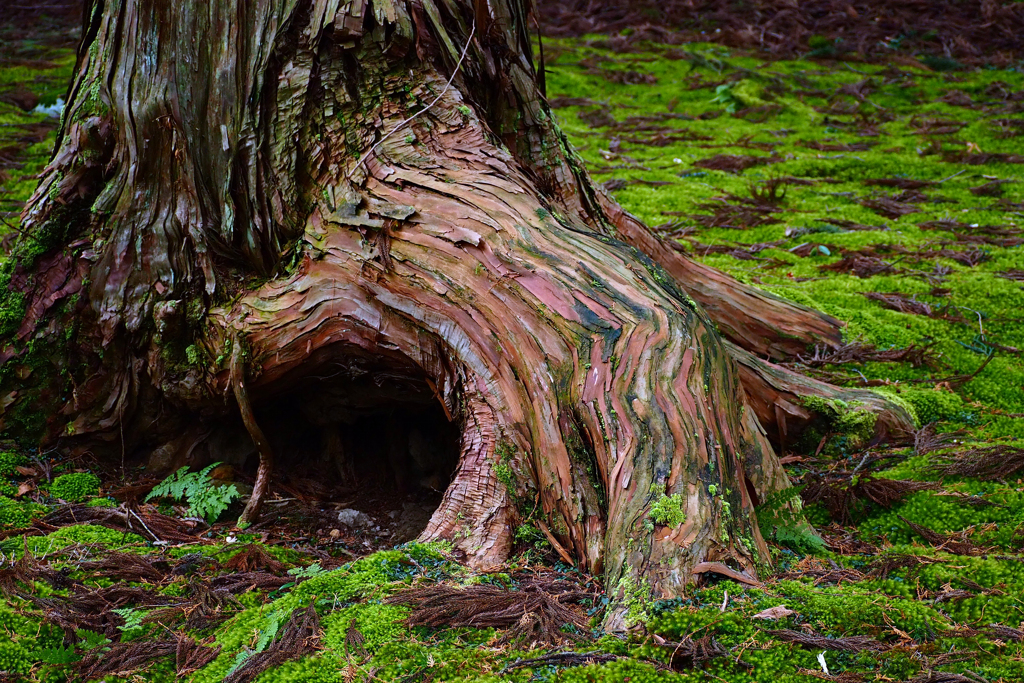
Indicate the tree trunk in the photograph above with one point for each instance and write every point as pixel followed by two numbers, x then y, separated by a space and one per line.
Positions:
pixel 370 200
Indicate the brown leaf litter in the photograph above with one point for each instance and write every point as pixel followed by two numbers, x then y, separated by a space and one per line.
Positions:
pixel 734 163
pixel 534 612
pixel 944 677
pixel 859 352
pixel 907 304
pixel 300 636
pixel 693 653
pixel 988 464
pixel 253 557
pixel 889 207
pixel 816 569
pixel 126 567
pixel 124 659
pixel 928 439
pixel 817 642
pixel 839 493
pixel 976 32
pixel 150 525
pixel 981 158
pixel 736 213
pixel 901 183
pixel 563 660
pixel 954 544
pixel 861 266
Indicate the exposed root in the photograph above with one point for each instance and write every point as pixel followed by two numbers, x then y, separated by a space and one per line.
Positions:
pixel 778 396
pixel 252 509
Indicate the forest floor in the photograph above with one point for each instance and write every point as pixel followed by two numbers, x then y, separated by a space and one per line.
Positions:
pixel 886 193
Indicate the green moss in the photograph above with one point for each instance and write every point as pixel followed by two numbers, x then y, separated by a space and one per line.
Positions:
pixel 378 623
pixel 16 514
pixel 85 534
pixel 9 460
pixel 635 595
pixel 931 405
pixel 668 510
pixel 850 424
pixel 505 452
pixel 14 659
pixel 75 487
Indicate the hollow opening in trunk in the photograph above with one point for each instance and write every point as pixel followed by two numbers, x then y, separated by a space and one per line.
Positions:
pixel 363 440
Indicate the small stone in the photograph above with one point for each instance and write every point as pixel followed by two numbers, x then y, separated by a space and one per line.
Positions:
pixel 335 533
pixel 354 519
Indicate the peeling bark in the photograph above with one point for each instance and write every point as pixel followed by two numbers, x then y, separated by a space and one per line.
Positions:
pixel 252 186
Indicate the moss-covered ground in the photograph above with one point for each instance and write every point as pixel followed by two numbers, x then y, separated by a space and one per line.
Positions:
pixel 35 67
pixel 781 173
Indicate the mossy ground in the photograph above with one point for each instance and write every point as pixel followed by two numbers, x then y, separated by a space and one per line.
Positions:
pixel 649 118
pixel 27 136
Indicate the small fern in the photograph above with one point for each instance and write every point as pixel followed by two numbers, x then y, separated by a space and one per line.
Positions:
pixel 132 619
pixel 307 572
pixel 270 629
pixel 204 499
pixel 58 654
pixel 781 519
pixel 90 640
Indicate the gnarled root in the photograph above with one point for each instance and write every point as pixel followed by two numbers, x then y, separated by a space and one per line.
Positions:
pixel 570 369
pixel 785 405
